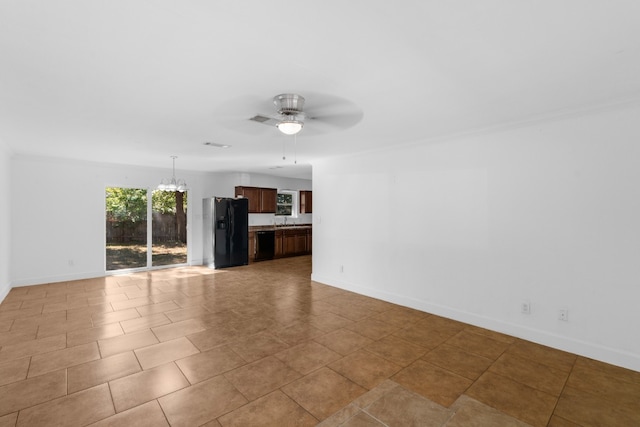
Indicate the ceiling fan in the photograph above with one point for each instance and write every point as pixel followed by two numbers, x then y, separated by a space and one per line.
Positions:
pixel 290 118
pixel 326 113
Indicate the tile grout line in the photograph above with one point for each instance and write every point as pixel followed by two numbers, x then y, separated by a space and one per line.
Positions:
pixel 564 386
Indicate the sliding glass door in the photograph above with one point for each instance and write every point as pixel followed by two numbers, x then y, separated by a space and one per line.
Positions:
pixel 145 228
pixel 126 228
pixel 169 228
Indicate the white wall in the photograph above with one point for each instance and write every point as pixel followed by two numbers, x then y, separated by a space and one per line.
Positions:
pixel 471 227
pixel 57 214
pixel 5 222
pixel 271 181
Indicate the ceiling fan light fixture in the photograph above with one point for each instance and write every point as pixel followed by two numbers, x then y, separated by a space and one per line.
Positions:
pixel 289 127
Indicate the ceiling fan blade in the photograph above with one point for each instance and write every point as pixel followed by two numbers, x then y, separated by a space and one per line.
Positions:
pixel 336 121
pixel 328 113
pixel 321 104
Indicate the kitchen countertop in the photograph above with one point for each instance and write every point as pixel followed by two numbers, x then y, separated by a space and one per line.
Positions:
pixel 277 227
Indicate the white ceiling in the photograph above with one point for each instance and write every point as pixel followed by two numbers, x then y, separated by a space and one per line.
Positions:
pixel 136 81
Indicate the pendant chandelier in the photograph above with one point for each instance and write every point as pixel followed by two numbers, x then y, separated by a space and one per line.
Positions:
pixel 173 184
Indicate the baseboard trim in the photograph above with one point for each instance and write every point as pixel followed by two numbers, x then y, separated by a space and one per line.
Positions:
pixel 583 348
pixel 4 291
pixel 56 279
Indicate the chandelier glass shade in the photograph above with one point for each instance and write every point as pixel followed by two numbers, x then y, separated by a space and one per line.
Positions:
pixel 173 184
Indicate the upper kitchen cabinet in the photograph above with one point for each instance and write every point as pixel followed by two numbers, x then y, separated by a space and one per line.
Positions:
pixel 305 202
pixel 261 200
pixel 268 198
pixel 251 193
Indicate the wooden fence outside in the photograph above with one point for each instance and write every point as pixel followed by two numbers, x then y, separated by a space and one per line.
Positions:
pixel 164 229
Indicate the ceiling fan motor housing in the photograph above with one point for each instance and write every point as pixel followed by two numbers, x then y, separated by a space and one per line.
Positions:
pixel 288 104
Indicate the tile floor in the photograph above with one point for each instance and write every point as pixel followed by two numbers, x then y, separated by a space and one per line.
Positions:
pixel 264 345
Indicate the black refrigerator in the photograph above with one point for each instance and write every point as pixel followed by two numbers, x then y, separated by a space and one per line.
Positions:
pixel 226 232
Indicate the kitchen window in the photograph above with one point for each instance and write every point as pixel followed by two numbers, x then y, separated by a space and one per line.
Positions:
pixel 285 203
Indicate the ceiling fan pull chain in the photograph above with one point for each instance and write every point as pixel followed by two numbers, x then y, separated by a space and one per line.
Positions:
pixel 295 149
pixel 284 141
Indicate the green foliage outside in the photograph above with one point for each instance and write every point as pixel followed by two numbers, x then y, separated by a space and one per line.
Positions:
pixel 130 204
pixel 165 202
pixel 284 199
pixel 126 204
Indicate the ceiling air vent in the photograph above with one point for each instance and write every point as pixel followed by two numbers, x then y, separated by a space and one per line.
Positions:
pixel 260 119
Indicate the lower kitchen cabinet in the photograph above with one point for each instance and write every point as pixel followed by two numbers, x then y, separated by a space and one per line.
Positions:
pixel 290 241
pixel 295 244
pixel 279 249
pixel 294 241
pixel 252 246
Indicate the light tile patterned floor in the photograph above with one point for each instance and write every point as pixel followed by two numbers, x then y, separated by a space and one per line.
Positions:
pixel 264 345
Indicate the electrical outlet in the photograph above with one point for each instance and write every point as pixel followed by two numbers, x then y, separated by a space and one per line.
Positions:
pixel 563 314
pixel 525 307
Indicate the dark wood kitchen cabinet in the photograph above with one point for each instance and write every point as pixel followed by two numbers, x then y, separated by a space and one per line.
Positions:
pixel 278 251
pixel 252 246
pixel 253 195
pixel 294 241
pixel 306 204
pixel 268 198
pixel 309 241
pixel 261 200
pixel 288 241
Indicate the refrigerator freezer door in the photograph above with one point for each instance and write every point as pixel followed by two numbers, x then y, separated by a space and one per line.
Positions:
pixel 221 256
pixel 231 232
pixel 239 232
